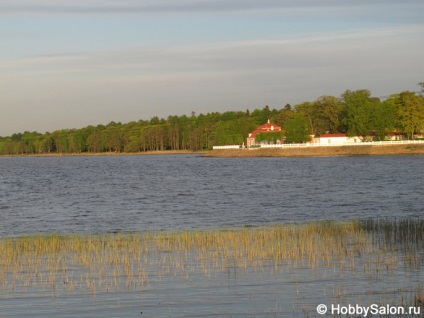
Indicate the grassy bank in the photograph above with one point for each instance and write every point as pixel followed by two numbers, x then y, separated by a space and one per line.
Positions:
pixel 417 149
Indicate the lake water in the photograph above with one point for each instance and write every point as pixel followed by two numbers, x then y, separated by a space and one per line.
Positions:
pixel 132 193
pixel 109 194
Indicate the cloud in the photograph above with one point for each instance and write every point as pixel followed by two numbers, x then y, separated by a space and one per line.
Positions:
pixel 74 89
pixel 327 63
pixel 287 52
pixel 50 7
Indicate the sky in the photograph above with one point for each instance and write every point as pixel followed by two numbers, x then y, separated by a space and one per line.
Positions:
pixel 70 64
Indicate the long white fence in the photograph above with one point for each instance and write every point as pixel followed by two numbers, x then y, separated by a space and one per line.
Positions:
pixel 227 147
pixel 305 145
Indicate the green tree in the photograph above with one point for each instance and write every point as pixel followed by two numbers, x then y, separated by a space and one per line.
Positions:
pixel 261 116
pixel 77 141
pixel 284 115
pixel 327 115
pixel 298 129
pixel 46 143
pixel 410 113
pixel 228 134
pixel 359 105
pixel 306 110
pixel 29 140
pixel 113 138
pixel 61 141
pixel 383 118
pixel 95 142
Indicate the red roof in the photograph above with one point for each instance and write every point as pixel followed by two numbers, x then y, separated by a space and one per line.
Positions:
pixel 333 135
pixel 268 127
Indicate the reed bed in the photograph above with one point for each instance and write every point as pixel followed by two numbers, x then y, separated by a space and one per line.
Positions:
pixel 133 261
pixel 404 237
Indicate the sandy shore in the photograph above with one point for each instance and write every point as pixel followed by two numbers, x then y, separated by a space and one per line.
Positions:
pixel 320 151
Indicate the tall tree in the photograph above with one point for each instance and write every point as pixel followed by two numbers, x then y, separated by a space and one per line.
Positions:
pixel 410 113
pixel 285 114
pixel 298 129
pixel 306 109
pixel 327 115
pixel 383 118
pixel 359 105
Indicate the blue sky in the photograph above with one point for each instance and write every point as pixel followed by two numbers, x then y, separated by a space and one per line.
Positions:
pixel 69 64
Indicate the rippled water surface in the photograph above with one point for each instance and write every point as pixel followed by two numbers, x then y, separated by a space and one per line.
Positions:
pixel 131 193
pixel 109 194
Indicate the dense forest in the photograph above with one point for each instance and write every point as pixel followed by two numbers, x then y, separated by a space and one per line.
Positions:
pixel 354 113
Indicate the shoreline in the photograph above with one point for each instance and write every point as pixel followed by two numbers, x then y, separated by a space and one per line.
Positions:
pixel 374 150
pixel 98 154
pixel 325 151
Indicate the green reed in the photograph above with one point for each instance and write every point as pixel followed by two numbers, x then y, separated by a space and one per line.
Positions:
pixel 107 262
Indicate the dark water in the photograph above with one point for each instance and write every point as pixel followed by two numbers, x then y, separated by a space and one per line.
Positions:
pixel 132 193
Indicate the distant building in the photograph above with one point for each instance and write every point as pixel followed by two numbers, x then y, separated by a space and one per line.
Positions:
pixel 394 136
pixel 336 139
pixel 265 128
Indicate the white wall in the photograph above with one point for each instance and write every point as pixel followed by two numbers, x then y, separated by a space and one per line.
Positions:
pixel 337 140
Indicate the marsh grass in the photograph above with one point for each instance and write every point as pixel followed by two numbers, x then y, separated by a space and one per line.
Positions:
pixel 404 237
pixel 133 261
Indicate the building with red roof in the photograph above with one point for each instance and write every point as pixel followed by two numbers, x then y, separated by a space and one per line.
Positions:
pixel 265 128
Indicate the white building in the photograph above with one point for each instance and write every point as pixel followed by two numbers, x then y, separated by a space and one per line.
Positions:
pixel 336 139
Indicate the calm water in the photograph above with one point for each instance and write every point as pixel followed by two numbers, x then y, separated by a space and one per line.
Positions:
pixel 133 193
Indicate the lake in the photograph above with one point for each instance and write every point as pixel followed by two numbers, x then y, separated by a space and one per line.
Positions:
pixel 132 193
pixel 120 194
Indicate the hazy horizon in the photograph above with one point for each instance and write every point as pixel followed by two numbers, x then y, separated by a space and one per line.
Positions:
pixel 71 64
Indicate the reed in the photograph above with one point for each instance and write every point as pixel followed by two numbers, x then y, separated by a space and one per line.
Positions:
pixel 109 262
pixel 403 235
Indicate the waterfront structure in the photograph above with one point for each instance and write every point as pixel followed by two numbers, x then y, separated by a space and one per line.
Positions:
pixel 265 128
pixel 336 139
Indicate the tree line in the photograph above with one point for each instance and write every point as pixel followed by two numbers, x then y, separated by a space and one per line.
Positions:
pixel 356 113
